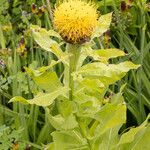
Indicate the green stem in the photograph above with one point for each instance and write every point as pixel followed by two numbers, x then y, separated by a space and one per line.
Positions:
pixel 74 51
pixel 142 43
pixel 2 39
pixel 50 10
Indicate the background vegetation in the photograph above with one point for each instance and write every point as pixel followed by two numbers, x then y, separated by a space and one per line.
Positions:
pixel 129 31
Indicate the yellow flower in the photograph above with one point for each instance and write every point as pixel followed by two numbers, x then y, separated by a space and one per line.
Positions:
pixel 75 20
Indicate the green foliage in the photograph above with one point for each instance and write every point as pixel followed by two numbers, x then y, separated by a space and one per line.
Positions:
pixel 10 138
pixel 83 117
pixel 131 35
pixel 42 99
pixel 79 87
pixel 103 25
pixel 46 43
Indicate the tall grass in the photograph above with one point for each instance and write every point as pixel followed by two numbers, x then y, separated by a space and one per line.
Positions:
pixel 130 33
pixel 137 45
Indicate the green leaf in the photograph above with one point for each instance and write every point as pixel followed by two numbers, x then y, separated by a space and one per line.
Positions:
pixel 107 74
pixel 106 54
pixel 93 87
pixel 129 136
pixel 18 99
pixel 66 107
pixel 69 140
pixel 88 108
pixel 136 138
pixel 61 123
pixel 142 140
pixel 44 133
pixel 102 55
pixel 33 73
pixel 53 33
pixel 110 116
pixel 117 98
pixel 103 25
pixel 48 81
pixel 106 141
pixel 43 99
pixel 7 135
pixel 42 37
pixel 88 104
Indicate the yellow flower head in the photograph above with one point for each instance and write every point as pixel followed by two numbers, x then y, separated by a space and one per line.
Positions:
pixel 75 20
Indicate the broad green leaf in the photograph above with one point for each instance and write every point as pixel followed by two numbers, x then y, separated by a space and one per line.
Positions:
pixel 103 25
pixel 106 54
pixel 88 105
pixel 69 140
pixel 107 74
pixel 80 96
pixel 33 73
pixel 106 141
pixel 136 138
pixel 102 55
pixel 92 83
pixel 142 140
pixel 61 123
pixel 85 51
pixel 110 116
pixel 129 136
pixel 43 99
pixel 48 81
pixel 66 107
pixel 89 108
pixel 42 37
pixel 93 87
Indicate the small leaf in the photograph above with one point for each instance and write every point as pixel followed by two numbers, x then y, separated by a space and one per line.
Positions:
pixel 18 99
pixel 103 25
pixel 117 98
pixel 53 33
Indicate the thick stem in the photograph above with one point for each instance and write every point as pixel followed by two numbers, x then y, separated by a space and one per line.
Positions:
pixel 74 51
